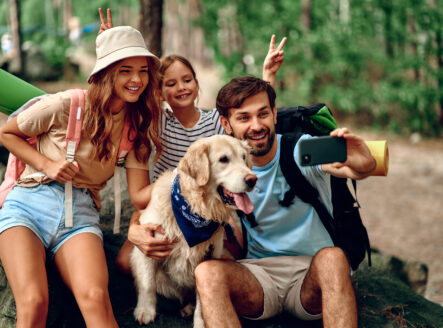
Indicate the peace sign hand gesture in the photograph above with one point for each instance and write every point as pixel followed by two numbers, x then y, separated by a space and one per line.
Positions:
pixel 273 60
pixel 106 23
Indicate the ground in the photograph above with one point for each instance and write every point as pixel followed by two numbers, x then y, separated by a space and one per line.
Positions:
pixel 403 212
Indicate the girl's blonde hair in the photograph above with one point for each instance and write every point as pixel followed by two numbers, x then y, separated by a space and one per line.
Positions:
pixel 144 114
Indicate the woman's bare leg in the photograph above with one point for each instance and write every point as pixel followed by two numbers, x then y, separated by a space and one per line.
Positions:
pixel 82 264
pixel 23 258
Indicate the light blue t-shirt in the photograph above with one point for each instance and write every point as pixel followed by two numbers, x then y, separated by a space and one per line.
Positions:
pixel 290 231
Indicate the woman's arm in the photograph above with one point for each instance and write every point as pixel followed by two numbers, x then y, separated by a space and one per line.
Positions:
pixel 15 141
pixel 139 187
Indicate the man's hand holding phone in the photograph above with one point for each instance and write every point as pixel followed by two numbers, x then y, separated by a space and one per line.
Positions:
pixel 358 163
pixel 322 150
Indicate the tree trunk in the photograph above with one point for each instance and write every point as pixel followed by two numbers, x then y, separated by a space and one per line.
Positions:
pixel 386 6
pixel 414 45
pixel 439 40
pixel 151 24
pixel 306 14
pixel 16 36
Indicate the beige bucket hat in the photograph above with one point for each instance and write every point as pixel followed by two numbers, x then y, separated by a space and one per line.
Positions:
pixel 119 43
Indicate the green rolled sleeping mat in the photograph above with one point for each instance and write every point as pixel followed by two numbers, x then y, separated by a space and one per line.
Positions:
pixel 14 92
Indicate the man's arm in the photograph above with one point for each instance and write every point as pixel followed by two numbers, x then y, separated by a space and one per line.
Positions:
pixel 359 164
pixel 273 60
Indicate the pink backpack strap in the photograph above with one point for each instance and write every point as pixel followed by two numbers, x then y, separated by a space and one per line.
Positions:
pixel 126 142
pixel 74 130
pixel 73 135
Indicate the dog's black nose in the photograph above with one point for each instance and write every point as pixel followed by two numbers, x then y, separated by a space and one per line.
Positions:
pixel 250 180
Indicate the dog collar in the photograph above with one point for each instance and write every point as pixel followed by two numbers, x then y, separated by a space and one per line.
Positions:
pixel 194 228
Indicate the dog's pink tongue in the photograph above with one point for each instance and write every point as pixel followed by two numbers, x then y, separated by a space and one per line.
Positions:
pixel 243 203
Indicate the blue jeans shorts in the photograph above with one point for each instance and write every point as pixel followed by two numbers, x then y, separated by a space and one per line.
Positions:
pixel 42 210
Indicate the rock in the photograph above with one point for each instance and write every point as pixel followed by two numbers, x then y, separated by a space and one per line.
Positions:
pixel 384 300
pixel 107 211
pixel 412 273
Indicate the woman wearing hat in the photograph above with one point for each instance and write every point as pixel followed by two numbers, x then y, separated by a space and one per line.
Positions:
pixel 32 220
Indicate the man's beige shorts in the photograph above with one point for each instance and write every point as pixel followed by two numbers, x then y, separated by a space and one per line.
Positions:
pixel 281 278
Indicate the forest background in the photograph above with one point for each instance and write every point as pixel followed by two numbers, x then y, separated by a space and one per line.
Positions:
pixel 379 60
pixel 376 63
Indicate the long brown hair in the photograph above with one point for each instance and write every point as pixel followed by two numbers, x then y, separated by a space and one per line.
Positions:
pixel 144 114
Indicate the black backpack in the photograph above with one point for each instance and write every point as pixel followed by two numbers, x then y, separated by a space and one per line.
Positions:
pixel 345 227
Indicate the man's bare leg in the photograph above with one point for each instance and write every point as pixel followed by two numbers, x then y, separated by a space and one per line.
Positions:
pixel 328 288
pixel 226 289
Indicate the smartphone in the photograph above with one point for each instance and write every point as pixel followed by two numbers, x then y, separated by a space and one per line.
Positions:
pixel 322 150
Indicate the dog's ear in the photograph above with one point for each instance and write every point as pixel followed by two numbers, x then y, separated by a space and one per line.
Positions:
pixel 195 163
pixel 248 153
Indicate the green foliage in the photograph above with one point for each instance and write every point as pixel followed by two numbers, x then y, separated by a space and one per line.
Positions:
pixel 379 58
pixel 42 23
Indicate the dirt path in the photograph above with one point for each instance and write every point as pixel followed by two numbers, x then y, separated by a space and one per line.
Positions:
pixel 403 212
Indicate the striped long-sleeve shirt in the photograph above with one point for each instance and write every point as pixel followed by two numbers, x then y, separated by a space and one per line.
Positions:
pixel 176 139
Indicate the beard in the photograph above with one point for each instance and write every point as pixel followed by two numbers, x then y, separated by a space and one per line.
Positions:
pixel 261 149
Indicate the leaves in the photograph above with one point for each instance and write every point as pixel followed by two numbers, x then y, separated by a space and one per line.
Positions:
pixel 378 57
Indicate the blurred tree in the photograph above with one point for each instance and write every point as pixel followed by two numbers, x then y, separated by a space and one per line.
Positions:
pixel 306 14
pixel 17 35
pixel 151 24
pixel 184 37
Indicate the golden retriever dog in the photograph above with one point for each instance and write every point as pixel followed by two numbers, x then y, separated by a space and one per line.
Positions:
pixel 192 205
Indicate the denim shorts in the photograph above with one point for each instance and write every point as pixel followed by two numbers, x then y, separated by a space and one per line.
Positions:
pixel 42 210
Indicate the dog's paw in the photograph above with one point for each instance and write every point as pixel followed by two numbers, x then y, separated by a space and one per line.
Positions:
pixel 144 315
pixel 198 322
pixel 188 310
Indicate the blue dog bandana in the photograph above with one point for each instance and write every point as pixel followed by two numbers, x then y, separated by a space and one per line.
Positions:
pixel 195 229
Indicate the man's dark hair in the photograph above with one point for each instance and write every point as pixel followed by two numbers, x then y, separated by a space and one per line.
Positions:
pixel 233 94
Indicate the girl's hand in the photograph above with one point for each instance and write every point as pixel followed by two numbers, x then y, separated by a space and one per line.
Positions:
pixel 273 60
pixel 143 237
pixel 61 171
pixel 105 25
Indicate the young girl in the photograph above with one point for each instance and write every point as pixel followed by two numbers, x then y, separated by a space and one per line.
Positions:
pixel 32 218
pixel 180 126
